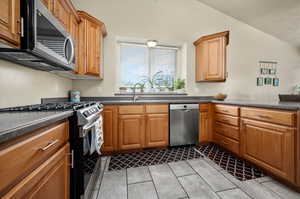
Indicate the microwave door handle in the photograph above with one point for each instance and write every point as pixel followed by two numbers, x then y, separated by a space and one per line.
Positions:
pixel 69 39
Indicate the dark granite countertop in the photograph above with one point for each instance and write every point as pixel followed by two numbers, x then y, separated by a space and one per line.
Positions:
pixel 14 124
pixel 292 106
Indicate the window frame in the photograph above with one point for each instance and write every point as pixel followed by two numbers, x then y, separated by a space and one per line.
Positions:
pixel 150 51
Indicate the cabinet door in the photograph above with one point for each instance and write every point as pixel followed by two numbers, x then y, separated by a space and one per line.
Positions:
pixel 216 59
pixel 131 132
pixel 50 180
pixel 204 134
pixel 10 22
pixel 270 146
pixel 201 61
pixel 157 130
pixel 94 40
pixel 62 12
pixel 73 28
pixel 110 128
pixel 48 4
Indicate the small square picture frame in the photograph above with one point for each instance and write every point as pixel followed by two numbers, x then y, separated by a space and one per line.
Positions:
pixel 259 81
pixel 268 81
pixel 275 81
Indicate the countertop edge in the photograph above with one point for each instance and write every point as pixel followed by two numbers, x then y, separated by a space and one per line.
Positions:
pixel 34 125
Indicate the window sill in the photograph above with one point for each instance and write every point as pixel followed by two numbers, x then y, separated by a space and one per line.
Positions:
pixel 150 93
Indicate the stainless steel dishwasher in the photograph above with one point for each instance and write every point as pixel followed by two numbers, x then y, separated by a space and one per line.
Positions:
pixel 184 124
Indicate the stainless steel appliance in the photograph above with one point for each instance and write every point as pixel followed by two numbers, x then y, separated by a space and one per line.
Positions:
pixel 184 124
pixel 45 44
pixel 86 138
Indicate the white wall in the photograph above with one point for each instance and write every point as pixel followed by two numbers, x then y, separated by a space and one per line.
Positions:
pixel 186 21
pixel 22 86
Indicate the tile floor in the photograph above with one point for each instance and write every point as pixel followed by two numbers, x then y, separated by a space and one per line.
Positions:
pixel 198 178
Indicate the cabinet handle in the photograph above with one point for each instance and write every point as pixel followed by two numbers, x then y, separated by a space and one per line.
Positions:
pixel 49 145
pixel 264 116
pixel 226 111
pixel 224 142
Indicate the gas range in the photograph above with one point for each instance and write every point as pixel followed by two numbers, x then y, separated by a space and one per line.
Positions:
pixel 60 106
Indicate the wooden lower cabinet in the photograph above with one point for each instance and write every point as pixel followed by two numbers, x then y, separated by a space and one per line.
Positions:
pixel 110 128
pixel 50 180
pixel 157 130
pixel 204 134
pixel 131 132
pixel 269 146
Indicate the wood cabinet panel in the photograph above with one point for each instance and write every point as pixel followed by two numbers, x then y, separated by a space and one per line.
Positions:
pixel 226 119
pixel 269 146
pixel 131 132
pixel 204 133
pixel 110 128
pixel 227 143
pixel 94 42
pixel 31 152
pixel 273 116
pixel 227 130
pixel 62 12
pixel 211 57
pixel 227 109
pixel 50 180
pixel 48 4
pixel 157 108
pixel 10 22
pixel 157 130
pixel 131 109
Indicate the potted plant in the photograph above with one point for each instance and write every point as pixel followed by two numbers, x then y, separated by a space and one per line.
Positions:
pixel 123 89
pixel 179 85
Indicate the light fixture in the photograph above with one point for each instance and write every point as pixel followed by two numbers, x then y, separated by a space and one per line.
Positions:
pixel 151 43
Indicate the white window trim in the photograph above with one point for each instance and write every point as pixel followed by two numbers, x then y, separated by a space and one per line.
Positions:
pixel 181 62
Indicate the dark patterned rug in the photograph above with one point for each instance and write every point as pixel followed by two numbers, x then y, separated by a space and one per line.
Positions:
pixel 147 158
pixel 241 169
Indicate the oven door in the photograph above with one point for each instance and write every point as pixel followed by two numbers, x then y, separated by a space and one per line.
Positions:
pixel 46 36
pixel 90 159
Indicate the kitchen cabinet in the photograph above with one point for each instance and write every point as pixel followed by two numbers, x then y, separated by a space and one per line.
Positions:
pixel 50 180
pixel 10 22
pixel 91 33
pixel 227 127
pixel 270 146
pixel 48 4
pixel 205 134
pixel 131 132
pixel 43 169
pixel 62 12
pixel 110 128
pixel 211 57
pixel 157 130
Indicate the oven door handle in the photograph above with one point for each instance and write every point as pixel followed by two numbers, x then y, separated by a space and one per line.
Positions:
pixel 86 128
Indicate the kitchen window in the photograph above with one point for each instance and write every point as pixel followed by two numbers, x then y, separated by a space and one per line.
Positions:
pixel 139 64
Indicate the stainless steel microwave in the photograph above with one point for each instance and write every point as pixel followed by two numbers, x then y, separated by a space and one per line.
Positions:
pixel 45 43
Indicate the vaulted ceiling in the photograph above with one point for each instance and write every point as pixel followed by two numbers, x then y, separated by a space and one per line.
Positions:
pixel 280 18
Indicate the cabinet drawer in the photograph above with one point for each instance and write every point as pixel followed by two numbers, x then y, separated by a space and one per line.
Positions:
pixel 157 108
pixel 20 158
pixel 131 109
pixel 225 109
pixel 273 116
pixel 228 131
pixel 227 119
pixel 227 143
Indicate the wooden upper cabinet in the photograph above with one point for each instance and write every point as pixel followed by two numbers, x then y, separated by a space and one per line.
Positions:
pixel 131 132
pixel 50 180
pixel 91 33
pixel 211 57
pixel 10 22
pixel 110 128
pixel 48 4
pixel 62 12
pixel 269 146
pixel 157 130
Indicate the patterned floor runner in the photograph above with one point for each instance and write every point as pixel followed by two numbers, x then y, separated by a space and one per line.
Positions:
pixel 241 169
pixel 147 158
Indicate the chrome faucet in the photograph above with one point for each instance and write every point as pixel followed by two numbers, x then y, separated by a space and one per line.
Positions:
pixel 135 97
